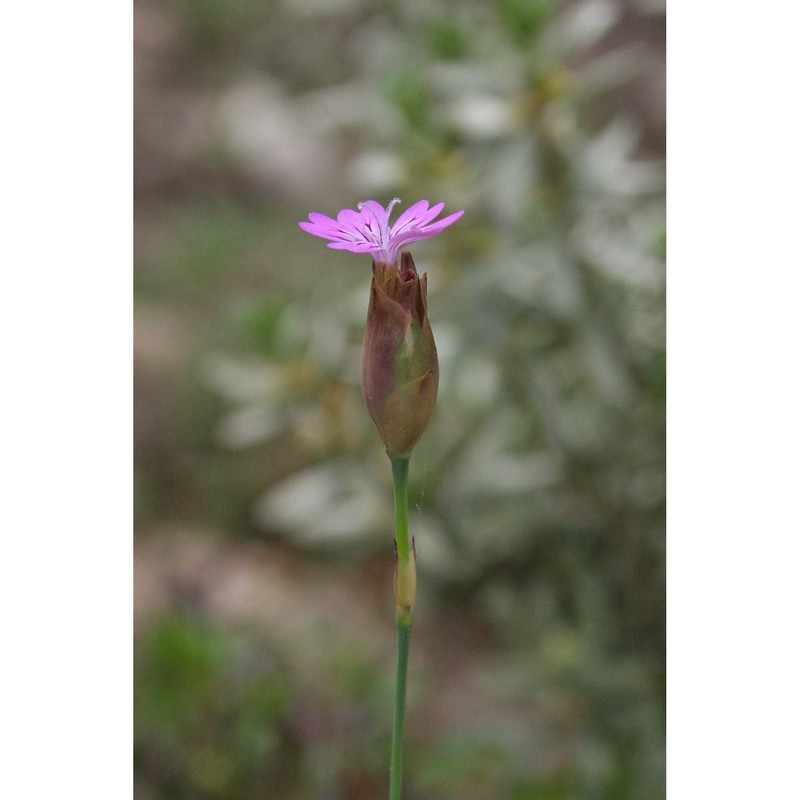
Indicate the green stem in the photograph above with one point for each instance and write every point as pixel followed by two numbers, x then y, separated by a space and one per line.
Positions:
pixel 396 769
pixel 400 477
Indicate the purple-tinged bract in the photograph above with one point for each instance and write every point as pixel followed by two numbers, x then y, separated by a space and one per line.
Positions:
pixel 399 364
pixel 367 230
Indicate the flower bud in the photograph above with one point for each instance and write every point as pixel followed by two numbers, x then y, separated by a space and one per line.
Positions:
pixel 405 583
pixel 399 366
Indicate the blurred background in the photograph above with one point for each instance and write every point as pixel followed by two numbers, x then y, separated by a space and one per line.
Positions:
pixel 264 618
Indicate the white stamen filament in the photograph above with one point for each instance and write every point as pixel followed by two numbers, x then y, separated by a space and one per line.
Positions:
pixel 383 224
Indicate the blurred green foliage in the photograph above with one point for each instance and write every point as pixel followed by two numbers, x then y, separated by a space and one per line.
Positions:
pixel 212 714
pixel 539 488
pixel 523 19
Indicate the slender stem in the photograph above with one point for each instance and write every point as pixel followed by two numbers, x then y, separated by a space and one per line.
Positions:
pixel 404 600
pixel 396 769
pixel 400 477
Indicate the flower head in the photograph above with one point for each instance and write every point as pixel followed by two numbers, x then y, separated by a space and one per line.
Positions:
pixel 367 230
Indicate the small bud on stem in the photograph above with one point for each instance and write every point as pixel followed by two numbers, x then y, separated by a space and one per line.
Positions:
pixel 405 582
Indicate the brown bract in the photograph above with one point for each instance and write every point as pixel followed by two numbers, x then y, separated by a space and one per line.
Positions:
pixel 399 365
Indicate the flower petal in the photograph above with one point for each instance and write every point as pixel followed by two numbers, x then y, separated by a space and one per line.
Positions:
pixel 349 218
pixel 321 219
pixel 372 211
pixel 324 232
pixel 353 247
pixel 441 224
pixel 367 230
pixel 410 214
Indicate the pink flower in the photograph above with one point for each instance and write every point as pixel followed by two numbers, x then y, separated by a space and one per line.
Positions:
pixel 367 230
